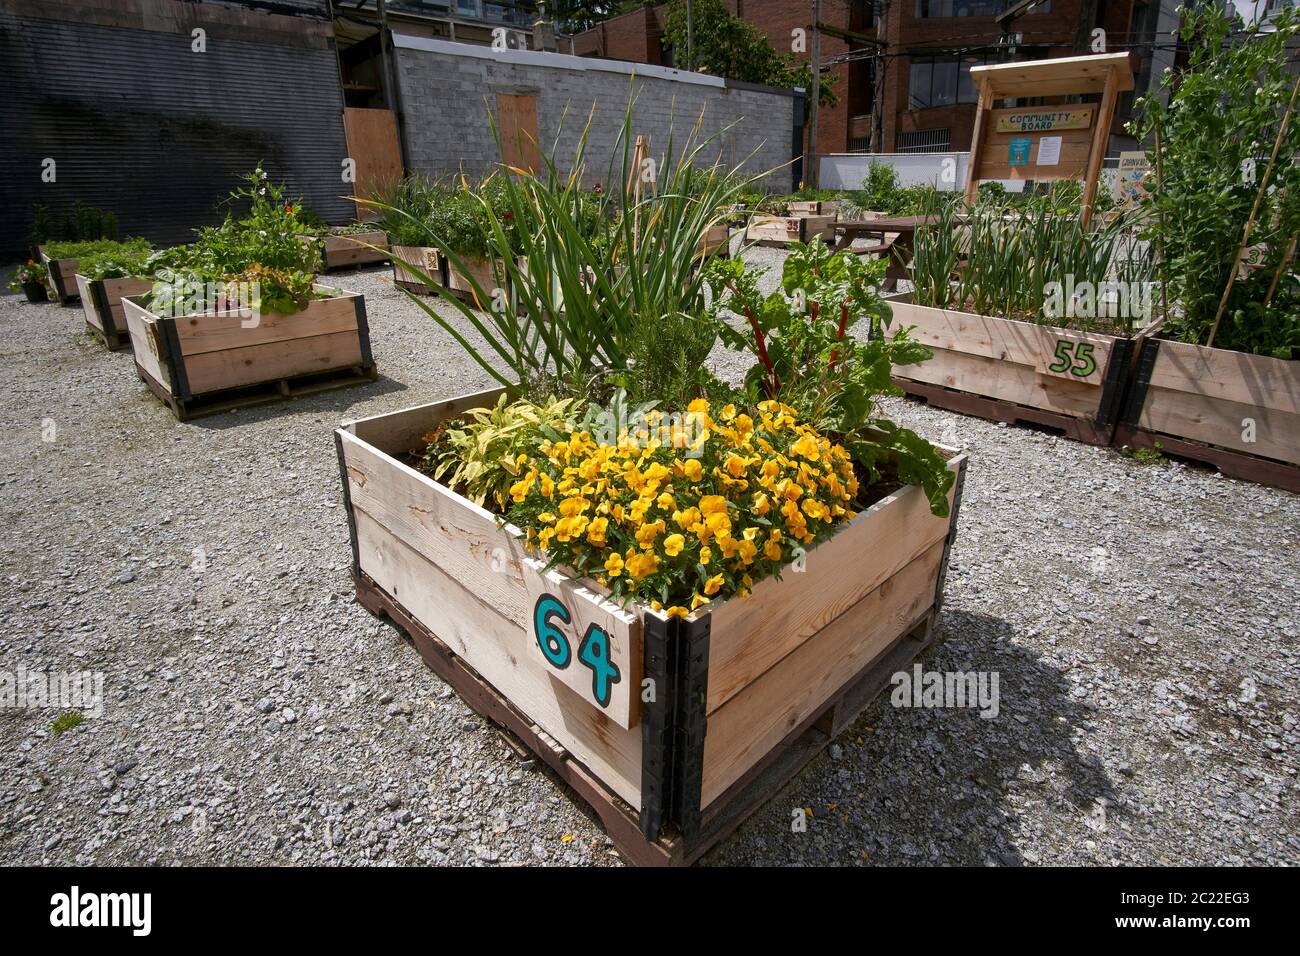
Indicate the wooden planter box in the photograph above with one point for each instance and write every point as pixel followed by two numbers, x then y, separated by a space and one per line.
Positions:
pixel 1011 371
pixel 101 301
pixel 783 230
pixel 63 276
pixel 343 251
pixel 478 269
pixel 201 364
pixel 1236 411
pixel 717 241
pixel 746 691
pixel 426 258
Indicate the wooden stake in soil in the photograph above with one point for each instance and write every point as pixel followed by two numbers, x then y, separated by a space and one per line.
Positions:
pixel 1254 211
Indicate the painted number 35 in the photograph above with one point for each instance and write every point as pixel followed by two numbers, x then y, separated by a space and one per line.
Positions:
pixel 593 649
pixel 1080 363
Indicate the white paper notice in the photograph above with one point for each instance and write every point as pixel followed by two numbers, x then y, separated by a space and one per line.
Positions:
pixel 1049 151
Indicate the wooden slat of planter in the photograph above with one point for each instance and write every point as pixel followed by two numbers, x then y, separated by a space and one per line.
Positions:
pixel 1021 343
pixel 1017 384
pixel 146 343
pixel 1255 380
pixel 751 635
pixel 743 731
pixel 349 251
pixel 198 334
pixel 424 258
pixel 396 433
pixel 465 541
pixel 1216 421
pixel 235 367
pixel 449 531
pixel 471 626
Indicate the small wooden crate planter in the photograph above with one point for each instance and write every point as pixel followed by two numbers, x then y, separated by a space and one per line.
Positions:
pixel 745 692
pixel 343 251
pixel 716 242
pixel 1010 371
pixel 101 301
pixel 425 258
pixel 1236 411
pixel 783 230
pixel 202 364
pixel 63 276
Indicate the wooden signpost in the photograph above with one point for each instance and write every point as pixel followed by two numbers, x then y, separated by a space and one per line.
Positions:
pixel 1060 141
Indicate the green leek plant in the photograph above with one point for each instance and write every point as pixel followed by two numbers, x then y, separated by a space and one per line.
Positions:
pixel 582 288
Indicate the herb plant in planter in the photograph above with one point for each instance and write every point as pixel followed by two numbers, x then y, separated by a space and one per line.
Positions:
pixel 237 317
pixel 1221 382
pixel 660 581
pixel 406 215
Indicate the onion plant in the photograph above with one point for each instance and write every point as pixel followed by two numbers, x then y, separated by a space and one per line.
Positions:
pixel 579 274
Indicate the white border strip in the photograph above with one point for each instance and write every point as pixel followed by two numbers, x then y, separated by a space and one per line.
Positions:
pixel 559 61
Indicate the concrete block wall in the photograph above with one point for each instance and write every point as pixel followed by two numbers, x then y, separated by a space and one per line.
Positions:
pixel 447 89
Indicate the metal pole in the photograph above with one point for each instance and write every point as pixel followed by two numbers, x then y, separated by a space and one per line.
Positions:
pixel 810 172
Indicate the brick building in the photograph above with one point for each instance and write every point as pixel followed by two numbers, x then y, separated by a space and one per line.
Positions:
pixel 902 66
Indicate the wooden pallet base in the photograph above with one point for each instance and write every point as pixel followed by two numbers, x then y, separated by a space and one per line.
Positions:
pixel 419 288
pixel 113 341
pixel 1234 464
pixel 260 394
pixel 1079 429
pixel 622 822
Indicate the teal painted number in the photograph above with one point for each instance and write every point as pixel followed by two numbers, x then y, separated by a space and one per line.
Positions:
pixel 594 652
pixel 593 649
pixel 549 637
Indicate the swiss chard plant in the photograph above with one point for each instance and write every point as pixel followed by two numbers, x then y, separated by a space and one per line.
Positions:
pixel 822 346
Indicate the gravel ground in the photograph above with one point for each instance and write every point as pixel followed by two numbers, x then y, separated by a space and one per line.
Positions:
pixel 1142 620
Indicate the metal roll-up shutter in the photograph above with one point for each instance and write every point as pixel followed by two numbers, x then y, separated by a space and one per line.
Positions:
pixel 141 125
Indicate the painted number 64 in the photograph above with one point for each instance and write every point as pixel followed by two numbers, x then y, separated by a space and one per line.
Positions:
pixel 593 649
pixel 1081 363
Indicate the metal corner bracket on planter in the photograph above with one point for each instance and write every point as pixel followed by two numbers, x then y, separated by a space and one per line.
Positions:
pixel 673 730
pixel 1012 371
pixel 63 276
pixel 1234 410
pixel 207 363
pixel 101 301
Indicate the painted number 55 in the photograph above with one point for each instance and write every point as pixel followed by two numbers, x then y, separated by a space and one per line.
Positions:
pixel 1081 363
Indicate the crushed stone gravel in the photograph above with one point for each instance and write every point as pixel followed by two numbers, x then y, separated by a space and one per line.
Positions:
pixel 1142 621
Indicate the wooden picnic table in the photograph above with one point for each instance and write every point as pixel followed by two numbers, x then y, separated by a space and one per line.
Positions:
pixel 898 250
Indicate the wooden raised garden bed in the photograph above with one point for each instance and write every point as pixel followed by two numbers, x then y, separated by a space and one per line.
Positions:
pixel 783 230
pixel 746 691
pixel 342 251
pixel 425 258
pixel 1010 371
pixel 478 269
pixel 63 276
pixel 201 364
pixel 1236 411
pixel 101 301
pixel 716 242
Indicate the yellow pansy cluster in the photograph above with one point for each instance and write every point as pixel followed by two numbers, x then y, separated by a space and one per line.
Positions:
pixel 689 508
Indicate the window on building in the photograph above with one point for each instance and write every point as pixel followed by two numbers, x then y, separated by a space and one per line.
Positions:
pixel 943 80
pixel 934 9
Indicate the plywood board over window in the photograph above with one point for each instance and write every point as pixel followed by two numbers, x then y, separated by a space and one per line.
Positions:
pixel 374 148
pixel 517 121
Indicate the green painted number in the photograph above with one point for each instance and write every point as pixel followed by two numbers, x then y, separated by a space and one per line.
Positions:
pixel 1080 364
